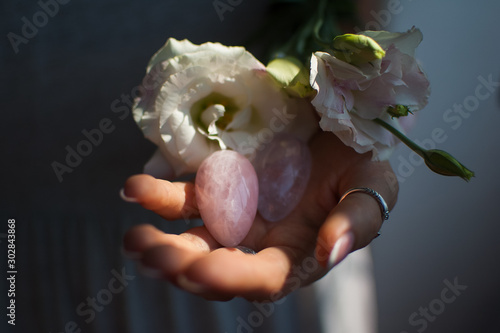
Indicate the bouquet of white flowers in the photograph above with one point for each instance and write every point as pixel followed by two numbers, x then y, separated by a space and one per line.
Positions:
pixel 199 99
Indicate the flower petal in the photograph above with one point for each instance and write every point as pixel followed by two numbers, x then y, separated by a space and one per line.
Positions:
pixel 406 42
pixel 181 75
pixel 349 98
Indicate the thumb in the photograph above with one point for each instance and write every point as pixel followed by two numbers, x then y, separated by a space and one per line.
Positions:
pixel 351 225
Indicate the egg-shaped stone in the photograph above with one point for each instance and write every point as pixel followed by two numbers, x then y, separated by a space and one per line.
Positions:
pixel 283 168
pixel 227 193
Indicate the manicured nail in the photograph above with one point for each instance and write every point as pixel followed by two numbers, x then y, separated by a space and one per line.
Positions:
pixel 125 198
pixel 149 271
pixel 341 249
pixel 188 285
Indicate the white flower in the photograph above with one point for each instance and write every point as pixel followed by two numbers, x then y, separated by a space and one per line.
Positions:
pixel 196 99
pixel 349 97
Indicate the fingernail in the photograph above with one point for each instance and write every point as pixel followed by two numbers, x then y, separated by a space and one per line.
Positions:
pixel 131 254
pixel 341 249
pixel 188 285
pixel 149 271
pixel 125 198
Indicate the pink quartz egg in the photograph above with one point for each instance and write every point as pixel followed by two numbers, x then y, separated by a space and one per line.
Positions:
pixel 283 168
pixel 227 193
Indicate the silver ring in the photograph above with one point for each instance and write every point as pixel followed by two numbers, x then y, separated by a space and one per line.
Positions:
pixel 245 249
pixel 381 202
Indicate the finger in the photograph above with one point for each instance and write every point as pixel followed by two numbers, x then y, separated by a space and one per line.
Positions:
pixel 223 273
pixel 352 224
pixel 229 272
pixel 165 254
pixel 141 238
pixel 171 201
pixel 355 222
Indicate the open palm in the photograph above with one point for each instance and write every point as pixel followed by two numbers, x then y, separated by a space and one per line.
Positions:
pixel 291 253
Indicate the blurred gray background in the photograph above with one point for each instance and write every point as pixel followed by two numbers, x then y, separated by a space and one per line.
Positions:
pixel 444 228
pixel 65 78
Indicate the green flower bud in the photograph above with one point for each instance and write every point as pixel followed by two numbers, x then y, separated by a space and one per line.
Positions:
pixel 284 70
pixel 398 111
pixel 443 163
pixel 437 160
pixel 292 75
pixel 356 49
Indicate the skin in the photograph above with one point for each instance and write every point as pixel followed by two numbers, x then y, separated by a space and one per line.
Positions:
pixel 292 253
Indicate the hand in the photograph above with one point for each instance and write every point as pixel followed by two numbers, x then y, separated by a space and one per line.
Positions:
pixel 292 253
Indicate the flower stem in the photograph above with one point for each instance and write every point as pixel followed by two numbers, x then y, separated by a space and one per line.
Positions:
pixel 319 24
pixel 437 160
pixel 412 145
